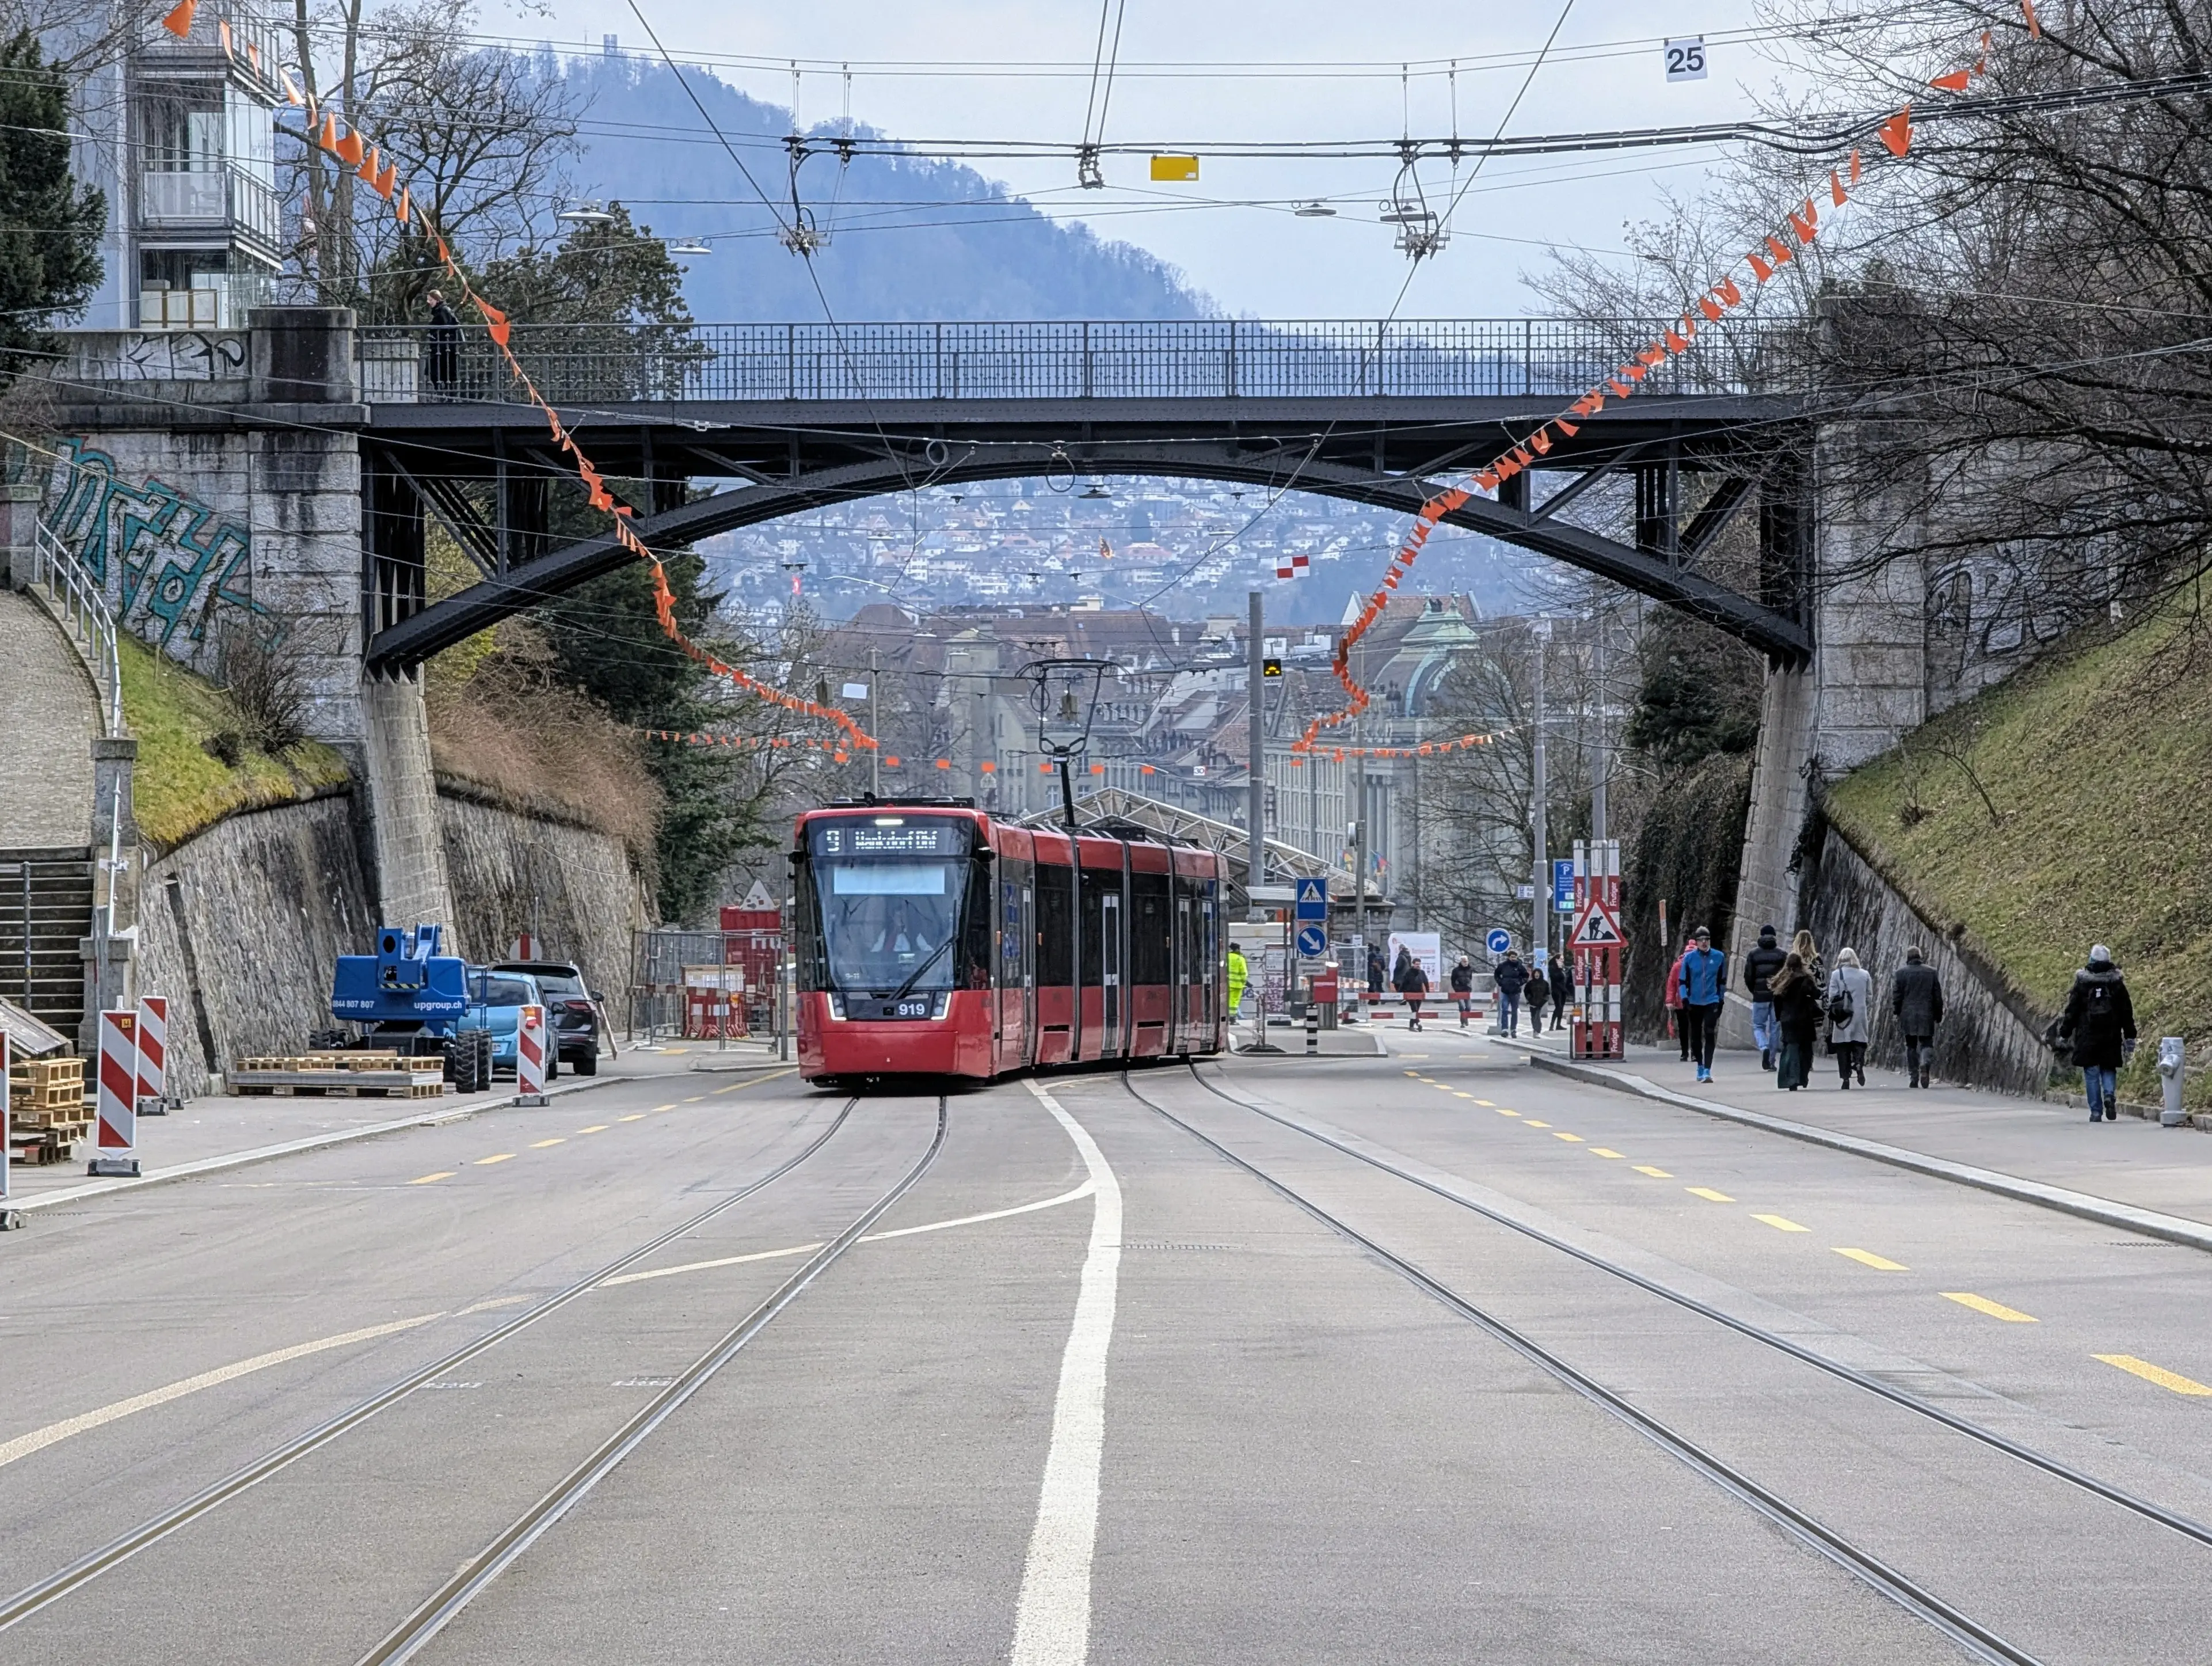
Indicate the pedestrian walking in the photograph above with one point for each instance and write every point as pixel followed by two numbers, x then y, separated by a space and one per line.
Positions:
pixel 1412 981
pixel 1797 997
pixel 1851 1015
pixel 1704 987
pixel 1802 946
pixel 1562 991
pixel 2099 1021
pixel 1675 999
pixel 1760 964
pixel 1536 993
pixel 1510 977
pixel 1240 973
pixel 442 359
pixel 1462 988
pixel 1916 997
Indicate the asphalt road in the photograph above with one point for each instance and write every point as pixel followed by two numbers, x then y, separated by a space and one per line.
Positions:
pixel 999 1425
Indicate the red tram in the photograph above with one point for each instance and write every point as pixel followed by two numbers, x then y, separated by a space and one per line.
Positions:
pixel 932 940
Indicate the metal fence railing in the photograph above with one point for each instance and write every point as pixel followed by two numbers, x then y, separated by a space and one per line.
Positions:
pixel 1195 359
pixel 77 597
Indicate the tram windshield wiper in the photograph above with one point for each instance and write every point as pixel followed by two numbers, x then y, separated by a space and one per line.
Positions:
pixel 914 977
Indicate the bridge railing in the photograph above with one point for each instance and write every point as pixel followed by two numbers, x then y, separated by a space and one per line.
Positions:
pixel 1196 359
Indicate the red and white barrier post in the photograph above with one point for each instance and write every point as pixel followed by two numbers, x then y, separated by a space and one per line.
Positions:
pixel 530 1056
pixel 116 1151
pixel 153 1055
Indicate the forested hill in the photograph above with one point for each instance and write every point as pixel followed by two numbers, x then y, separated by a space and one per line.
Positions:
pixel 911 238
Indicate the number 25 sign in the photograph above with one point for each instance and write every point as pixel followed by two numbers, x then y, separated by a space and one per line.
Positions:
pixel 1686 59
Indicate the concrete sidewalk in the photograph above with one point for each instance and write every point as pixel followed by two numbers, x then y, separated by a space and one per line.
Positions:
pixel 2133 1163
pixel 228 1130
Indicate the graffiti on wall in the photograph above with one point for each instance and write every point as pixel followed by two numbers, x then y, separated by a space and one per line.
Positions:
pixel 168 561
pixel 161 356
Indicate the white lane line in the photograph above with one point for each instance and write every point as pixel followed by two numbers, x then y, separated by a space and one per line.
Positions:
pixel 24 1446
pixel 1084 1190
pixel 1052 1619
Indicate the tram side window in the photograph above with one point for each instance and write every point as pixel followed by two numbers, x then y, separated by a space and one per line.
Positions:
pixel 1189 922
pixel 1150 918
pixel 1097 883
pixel 1055 911
pixel 813 965
pixel 976 937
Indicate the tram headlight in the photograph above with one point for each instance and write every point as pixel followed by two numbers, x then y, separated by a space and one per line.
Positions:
pixel 938 1007
pixel 836 1006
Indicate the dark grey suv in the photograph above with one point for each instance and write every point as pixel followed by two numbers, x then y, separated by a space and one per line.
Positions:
pixel 578 1021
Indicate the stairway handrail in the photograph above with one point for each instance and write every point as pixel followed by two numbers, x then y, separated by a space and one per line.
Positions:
pixel 79 596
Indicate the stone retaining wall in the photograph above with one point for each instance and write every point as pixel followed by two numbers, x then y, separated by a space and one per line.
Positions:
pixel 240 925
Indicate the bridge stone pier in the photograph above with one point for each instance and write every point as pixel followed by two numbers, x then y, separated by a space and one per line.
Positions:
pixel 284 476
pixel 210 484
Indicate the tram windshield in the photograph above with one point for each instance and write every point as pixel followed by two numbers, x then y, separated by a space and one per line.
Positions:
pixel 890 900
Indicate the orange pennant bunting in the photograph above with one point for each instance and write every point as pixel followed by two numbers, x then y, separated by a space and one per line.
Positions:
pixel 2035 23
pixel 387 181
pixel 222 35
pixel 292 92
pixel 180 21
pixel 406 208
pixel 1729 294
pixel 1854 172
pixel 1835 188
pixel 328 139
pixel 351 148
pixel 1710 308
pixel 1954 82
pixel 1896 133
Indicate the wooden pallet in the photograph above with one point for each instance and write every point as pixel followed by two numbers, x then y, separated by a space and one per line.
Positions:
pixel 361 1083
pixel 385 1060
pixel 36 1149
pixel 44 1086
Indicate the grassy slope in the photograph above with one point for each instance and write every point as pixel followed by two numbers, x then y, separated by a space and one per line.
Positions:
pixel 179 788
pixel 2099 767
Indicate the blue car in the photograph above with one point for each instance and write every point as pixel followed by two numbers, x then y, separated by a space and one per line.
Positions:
pixel 495 1002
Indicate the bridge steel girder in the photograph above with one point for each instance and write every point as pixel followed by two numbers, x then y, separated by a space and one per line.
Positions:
pixel 899 464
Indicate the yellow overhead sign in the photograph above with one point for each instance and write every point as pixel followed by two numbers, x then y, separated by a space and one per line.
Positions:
pixel 1175 167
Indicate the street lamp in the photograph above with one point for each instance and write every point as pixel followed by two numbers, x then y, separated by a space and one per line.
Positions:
pixel 1066 695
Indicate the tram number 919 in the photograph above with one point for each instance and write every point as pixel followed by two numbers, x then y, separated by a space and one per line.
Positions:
pixel 911 1009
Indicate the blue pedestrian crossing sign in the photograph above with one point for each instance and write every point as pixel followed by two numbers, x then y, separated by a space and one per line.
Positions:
pixel 1313 902
pixel 1313 941
pixel 1499 941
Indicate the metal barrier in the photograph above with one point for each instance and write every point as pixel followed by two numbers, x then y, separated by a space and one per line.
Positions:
pixel 1193 358
pixel 78 597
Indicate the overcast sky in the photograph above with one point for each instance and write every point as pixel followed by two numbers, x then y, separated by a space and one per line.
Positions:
pixel 1191 74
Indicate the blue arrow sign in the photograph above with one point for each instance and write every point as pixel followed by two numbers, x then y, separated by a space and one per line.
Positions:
pixel 1499 941
pixel 1313 900
pixel 1313 941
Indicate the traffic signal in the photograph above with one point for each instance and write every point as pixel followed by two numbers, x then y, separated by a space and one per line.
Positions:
pixel 1270 667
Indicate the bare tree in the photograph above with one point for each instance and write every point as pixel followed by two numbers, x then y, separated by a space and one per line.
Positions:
pixel 479 135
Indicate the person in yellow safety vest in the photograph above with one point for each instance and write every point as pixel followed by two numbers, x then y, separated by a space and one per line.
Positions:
pixel 1238 973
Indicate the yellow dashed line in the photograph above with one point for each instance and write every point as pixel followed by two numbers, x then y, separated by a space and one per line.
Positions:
pixel 1534 1123
pixel 1781 1224
pixel 666 1106
pixel 1709 1194
pixel 1571 1139
pixel 1485 1105
pixel 1501 1111
pixel 1456 1094
pixel 596 1127
pixel 1604 1150
pixel 1879 1263
pixel 1656 1174
pixel 2158 1374
pixel 442 1174
pixel 1995 1309
pixel 693 1100
pixel 498 1156
pixel 638 1116
pixel 558 1140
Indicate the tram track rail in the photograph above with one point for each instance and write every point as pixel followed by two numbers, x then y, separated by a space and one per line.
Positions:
pixel 2187 1526
pixel 1971 1635
pixel 474 1577
pixel 32 1599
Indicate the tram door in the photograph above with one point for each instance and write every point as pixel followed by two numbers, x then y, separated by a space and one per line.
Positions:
pixel 1028 974
pixel 1110 946
pixel 1179 970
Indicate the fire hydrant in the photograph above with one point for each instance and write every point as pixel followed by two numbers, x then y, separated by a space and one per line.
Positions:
pixel 2169 1074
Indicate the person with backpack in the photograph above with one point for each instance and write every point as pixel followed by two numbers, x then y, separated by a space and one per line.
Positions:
pixel 1537 992
pixel 1511 977
pixel 1704 987
pixel 1562 991
pixel 1916 997
pixel 2099 1024
pixel 1797 997
pixel 1851 1015
pixel 1412 981
pixel 1760 964
pixel 1463 989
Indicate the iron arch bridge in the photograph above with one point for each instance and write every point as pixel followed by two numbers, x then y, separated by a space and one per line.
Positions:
pixel 1696 493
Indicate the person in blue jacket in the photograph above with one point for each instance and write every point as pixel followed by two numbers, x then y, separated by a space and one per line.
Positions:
pixel 1704 986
